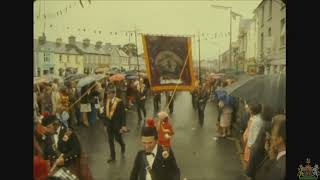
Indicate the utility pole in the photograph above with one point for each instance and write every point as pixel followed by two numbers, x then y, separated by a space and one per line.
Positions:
pixel 199 59
pixel 135 34
pixel 230 45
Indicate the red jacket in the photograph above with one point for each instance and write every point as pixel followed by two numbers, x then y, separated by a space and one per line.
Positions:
pixel 40 168
pixel 165 128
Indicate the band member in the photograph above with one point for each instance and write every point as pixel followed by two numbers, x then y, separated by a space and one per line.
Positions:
pixel 60 143
pixel 170 100
pixel 141 94
pixel 114 118
pixel 194 95
pixel 165 130
pixel 203 96
pixel 154 163
pixel 156 102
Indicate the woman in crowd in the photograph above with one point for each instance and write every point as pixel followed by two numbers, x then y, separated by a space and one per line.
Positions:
pixel 46 100
pixel 274 166
pixel 257 151
pixel 251 132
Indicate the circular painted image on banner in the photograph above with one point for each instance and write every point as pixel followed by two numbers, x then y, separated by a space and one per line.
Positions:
pixel 169 65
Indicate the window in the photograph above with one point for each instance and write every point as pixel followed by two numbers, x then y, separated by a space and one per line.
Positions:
pixel 68 60
pixel 46 57
pixel 283 5
pixel 283 33
pixel 270 8
pixel 52 70
pixel 45 72
pixel 60 58
pixel 269 32
pixel 39 72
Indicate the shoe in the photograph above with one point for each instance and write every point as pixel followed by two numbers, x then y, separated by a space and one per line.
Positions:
pixel 111 160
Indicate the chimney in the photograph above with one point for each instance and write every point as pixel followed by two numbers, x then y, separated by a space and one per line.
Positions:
pixel 42 39
pixel 72 40
pixel 98 44
pixel 58 42
pixel 86 42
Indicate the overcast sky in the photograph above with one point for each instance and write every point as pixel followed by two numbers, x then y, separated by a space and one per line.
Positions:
pixel 150 17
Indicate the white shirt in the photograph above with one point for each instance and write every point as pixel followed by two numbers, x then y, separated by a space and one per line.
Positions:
pixel 150 159
pixel 280 154
pixel 254 129
pixel 56 136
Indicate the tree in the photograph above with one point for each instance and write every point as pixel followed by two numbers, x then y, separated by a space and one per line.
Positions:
pixel 130 49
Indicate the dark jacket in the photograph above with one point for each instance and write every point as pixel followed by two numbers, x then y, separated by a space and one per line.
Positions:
pixel 202 99
pixel 70 148
pixel 272 169
pixel 139 95
pixel 118 118
pixel 163 169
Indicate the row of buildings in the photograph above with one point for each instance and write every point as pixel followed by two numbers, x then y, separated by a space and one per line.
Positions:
pixel 79 57
pixel 261 44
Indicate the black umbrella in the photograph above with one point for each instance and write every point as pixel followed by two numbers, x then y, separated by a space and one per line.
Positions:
pixel 266 89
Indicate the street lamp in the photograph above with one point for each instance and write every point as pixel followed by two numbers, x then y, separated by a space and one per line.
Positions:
pixel 231 14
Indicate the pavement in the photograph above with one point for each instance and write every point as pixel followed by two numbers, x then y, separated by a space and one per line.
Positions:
pixel 199 153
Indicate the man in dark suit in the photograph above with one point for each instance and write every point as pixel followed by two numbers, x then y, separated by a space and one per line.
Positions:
pixel 170 100
pixel 113 116
pixel 156 102
pixel 274 167
pixel 140 98
pixel 154 163
pixel 203 96
pixel 60 143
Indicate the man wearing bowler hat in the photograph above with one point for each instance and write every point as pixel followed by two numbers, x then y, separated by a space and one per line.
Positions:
pixel 113 116
pixel 154 163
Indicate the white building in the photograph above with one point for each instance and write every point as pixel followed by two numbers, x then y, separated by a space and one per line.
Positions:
pixel 248 45
pixel 56 57
pixel 271 23
pixel 95 55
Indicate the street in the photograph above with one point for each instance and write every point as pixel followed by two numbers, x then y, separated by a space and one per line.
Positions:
pixel 198 155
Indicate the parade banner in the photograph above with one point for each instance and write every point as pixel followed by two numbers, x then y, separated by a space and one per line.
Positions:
pixel 168 62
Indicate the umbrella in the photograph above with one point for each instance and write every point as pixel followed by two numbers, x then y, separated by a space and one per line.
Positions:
pixel 99 77
pixel 52 77
pixel 85 81
pixel 89 79
pixel 117 77
pixel 132 77
pixel 73 77
pixel 266 89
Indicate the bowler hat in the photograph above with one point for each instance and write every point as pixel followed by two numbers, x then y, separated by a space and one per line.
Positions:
pixel 49 120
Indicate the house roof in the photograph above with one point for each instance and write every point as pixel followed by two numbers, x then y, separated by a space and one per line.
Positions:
pixel 78 48
pixel 254 11
pixel 91 49
pixel 52 47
